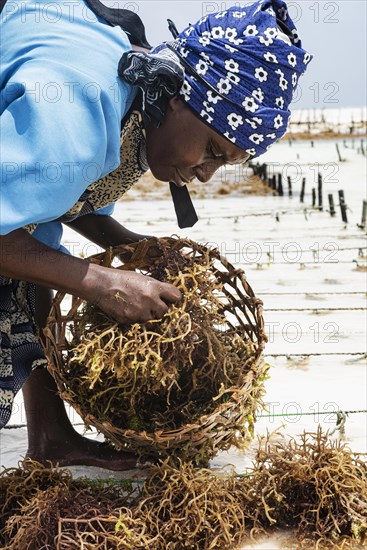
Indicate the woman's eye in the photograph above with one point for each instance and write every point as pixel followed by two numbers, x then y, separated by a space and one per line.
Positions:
pixel 214 154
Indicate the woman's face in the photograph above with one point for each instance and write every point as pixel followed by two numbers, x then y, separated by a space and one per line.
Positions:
pixel 184 147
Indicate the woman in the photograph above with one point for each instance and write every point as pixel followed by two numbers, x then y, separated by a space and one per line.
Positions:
pixel 217 94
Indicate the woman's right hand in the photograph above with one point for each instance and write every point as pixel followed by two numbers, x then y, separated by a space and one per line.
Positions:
pixel 126 296
pixel 129 297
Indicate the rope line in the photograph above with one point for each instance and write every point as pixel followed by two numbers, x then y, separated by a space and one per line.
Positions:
pixel 364 292
pixel 316 250
pixel 319 413
pixel 317 309
pixel 289 211
pixel 289 355
pixel 360 263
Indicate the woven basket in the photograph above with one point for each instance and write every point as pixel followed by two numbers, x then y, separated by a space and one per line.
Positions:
pixel 229 423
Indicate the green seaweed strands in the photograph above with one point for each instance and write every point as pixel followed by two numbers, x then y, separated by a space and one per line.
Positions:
pixel 185 384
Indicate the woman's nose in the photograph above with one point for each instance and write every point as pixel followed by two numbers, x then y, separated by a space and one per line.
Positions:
pixel 205 171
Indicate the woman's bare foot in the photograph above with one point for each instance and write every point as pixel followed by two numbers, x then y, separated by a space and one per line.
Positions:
pixel 51 437
pixel 82 451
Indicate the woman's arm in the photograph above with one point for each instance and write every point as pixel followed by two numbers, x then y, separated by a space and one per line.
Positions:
pixel 104 230
pixel 126 296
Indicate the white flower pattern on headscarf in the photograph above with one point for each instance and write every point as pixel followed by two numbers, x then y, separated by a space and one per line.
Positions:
pixel 201 67
pixel 234 120
pixel 252 123
pixel 233 78
pixel 278 121
pixel 224 86
pixel 257 138
pixel 251 30
pixel 270 57
pixel 232 66
pixel 208 107
pixel 258 95
pixel 279 101
pixel 292 59
pixel 261 74
pixel 250 104
pixel 205 38
pixel 213 98
pixel 217 32
pixel 186 90
pixel 230 137
pixel 206 116
pixel 231 36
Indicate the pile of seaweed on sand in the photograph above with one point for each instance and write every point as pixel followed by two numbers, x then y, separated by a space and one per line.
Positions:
pixel 313 485
pixel 188 384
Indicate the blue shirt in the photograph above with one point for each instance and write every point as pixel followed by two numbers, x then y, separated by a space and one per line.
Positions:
pixel 61 105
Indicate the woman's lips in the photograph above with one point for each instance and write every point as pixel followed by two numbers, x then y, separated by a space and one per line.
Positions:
pixel 180 179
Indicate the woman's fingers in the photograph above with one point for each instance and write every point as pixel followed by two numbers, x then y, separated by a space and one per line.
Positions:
pixel 130 297
pixel 159 311
pixel 170 293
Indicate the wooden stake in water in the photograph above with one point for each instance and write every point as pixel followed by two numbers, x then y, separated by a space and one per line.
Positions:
pixel 331 205
pixel 302 195
pixel 351 127
pixel 313 197
pixel 280 185
pixel 319 190
pixel 362 225
pixel 290 193
pixel 338 151
pixel 343 206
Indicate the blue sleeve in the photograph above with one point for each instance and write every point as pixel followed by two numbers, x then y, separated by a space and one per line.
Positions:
pixel 106 211
pixel 53 144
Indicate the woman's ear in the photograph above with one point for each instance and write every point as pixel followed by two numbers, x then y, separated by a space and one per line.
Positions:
pixel 176 104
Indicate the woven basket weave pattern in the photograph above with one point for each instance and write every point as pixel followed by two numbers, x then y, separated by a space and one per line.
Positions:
pixel 230 422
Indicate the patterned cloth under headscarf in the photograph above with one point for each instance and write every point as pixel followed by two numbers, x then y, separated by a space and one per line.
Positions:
pixel 241 65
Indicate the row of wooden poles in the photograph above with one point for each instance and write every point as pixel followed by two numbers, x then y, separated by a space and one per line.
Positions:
pixel 360 150
pixel 354 126
pixel 275 182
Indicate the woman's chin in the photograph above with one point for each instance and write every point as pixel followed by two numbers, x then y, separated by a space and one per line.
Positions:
pixel 160 174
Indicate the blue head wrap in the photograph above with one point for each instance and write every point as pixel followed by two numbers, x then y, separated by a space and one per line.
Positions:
pixel 237 69
pixel 245 64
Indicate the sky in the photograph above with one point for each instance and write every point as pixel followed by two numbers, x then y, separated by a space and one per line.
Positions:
pixel 333 31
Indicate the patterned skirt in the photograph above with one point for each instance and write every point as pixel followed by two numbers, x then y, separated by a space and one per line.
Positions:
pixel 20 350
